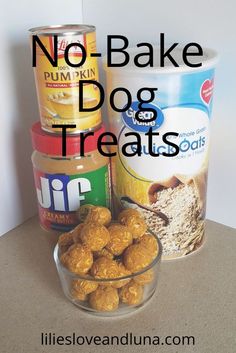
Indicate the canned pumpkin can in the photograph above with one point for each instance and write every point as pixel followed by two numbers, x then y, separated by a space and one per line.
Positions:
pixel 58 87
pixel 170 192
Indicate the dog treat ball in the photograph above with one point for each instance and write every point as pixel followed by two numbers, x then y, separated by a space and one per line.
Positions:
pixel 145 278
pixel 83 212
pixel 100 215
pixel 65 241
pixel 128 212
pixel 133 220
pixel 95 236
pixel 149 242
pixel 136 258
pixel 104 252
pixel 79 295
pixel 105 268
pixel 84 286
pixel 131 293
pixel 122 272
pixel 76 233
pixel 104 299
pixel 78 259
pixel 120 239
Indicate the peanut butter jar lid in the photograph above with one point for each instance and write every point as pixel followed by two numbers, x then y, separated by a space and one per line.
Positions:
pixel 52 144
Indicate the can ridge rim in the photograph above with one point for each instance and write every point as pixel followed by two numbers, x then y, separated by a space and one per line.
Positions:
pixel 70 29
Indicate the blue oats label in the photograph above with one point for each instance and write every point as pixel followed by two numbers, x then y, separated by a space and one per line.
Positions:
pixel 146 117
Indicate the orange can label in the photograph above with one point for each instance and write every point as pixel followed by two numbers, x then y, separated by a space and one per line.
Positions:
pixel 58 87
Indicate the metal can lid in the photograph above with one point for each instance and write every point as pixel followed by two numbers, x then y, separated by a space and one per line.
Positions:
pixel 62 30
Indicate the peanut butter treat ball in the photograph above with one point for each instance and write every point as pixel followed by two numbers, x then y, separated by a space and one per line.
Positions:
pixel 144 278
pixel 78 259
pixel 131 293
pixel 136 258
pixel 133 220
pixel 104 252
pixel 79 295
pixel 65 241
pixel 95 236
pixel 76 233
pixel 120 239
pixel 104 299
pixel 83 212
pixel 128 212
pixel 84 286
pixel 104 268
pixel 122 272
pixel 149 242
pixel 100 215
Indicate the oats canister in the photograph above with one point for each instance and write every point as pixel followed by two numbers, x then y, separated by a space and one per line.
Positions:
pixel 58 86
pixel 175 186
pixel 63 184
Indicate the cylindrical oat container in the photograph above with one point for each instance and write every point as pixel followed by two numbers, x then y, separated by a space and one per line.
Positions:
pixel 58 87
pixel 175 187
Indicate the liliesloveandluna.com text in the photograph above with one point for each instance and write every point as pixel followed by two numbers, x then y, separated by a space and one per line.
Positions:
pixel 127 339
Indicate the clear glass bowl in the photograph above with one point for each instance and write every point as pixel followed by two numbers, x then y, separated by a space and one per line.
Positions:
pixel 67 279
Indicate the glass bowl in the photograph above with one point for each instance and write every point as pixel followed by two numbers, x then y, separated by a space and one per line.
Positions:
pixel 134 285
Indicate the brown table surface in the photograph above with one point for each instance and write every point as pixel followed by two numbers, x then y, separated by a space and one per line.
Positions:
pixel 196 296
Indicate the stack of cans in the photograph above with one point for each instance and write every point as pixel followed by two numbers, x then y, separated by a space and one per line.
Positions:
pixel 66 75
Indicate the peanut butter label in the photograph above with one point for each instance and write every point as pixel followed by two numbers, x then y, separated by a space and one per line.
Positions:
pixel 60 196
pixel 58 87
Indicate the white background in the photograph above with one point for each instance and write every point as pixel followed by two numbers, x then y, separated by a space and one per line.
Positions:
pixel 210 23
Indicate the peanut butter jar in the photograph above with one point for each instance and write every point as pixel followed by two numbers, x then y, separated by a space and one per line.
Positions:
pixel 63 184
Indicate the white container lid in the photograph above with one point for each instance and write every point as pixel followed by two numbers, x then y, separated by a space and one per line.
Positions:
pixel 209 60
